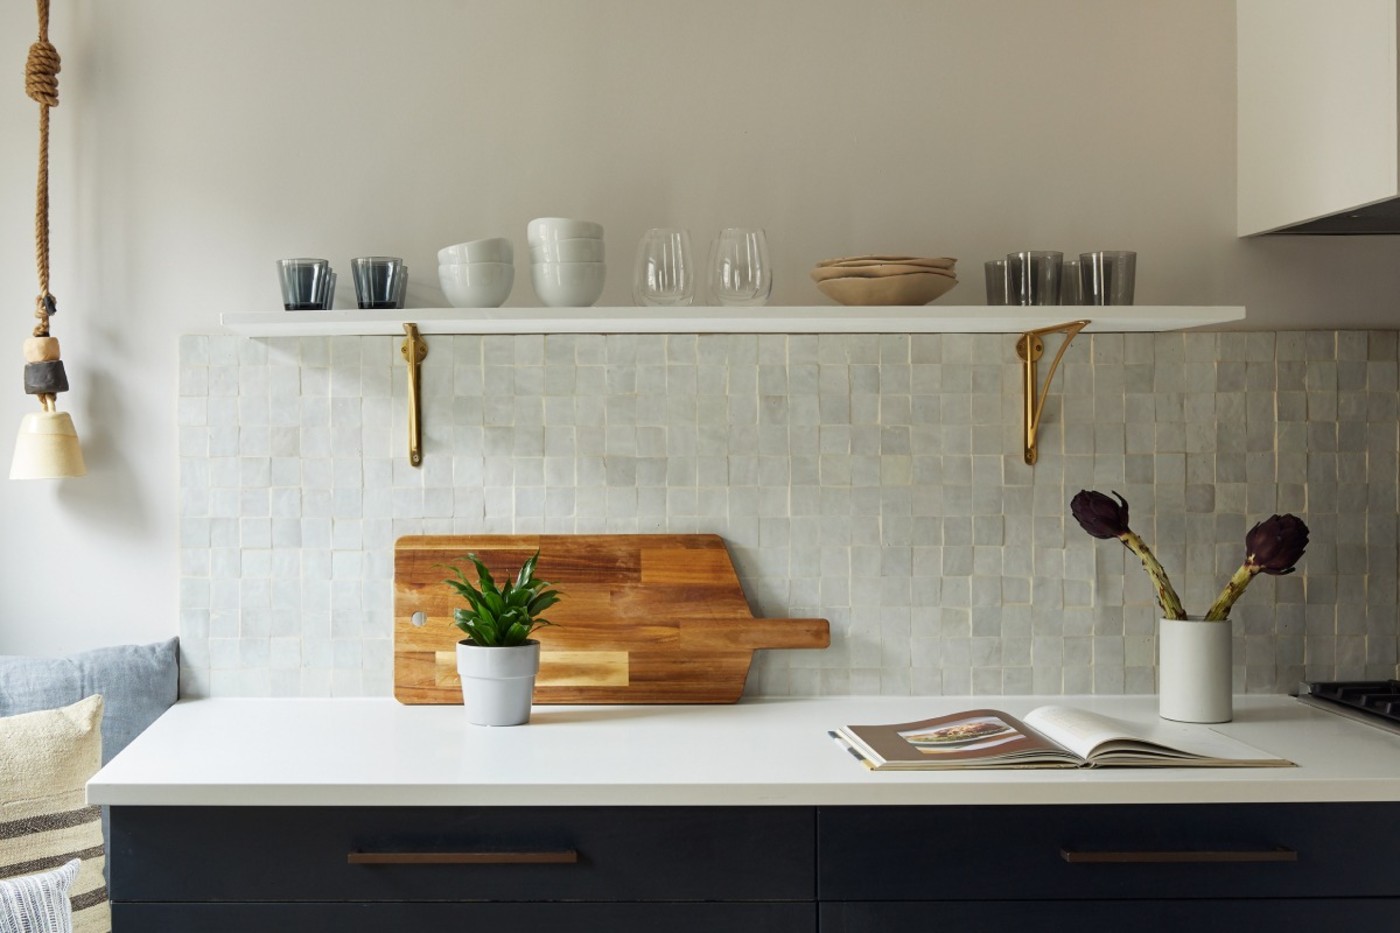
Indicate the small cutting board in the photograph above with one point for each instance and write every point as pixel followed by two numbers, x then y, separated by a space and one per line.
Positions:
pixel 644 618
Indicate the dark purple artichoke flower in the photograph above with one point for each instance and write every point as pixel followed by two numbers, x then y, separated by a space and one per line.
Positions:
pixel 1099 515
pixel 1276 544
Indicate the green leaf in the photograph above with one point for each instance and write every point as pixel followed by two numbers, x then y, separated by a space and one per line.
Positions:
pixel 474 600
pixel 527 571
pixel 462 585
pixel 543 601
pixel 488 583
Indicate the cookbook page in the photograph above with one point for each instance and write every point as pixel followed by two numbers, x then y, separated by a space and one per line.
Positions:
pixel 973 735
pixel 1078 730
pixel 1104 740
pixel 1183 744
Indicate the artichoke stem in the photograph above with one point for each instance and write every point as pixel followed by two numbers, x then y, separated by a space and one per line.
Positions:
pixel 1220 609
pixel 1166 596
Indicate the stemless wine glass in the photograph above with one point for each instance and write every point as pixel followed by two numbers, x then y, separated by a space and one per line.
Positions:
pixel 665 273
pixel 740 271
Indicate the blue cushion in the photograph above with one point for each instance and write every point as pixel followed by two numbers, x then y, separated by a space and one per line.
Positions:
pixel 137 683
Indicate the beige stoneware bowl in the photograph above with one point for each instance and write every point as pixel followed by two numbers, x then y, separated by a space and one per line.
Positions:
pixel 932 262
pixel 874 270
pixel 910 288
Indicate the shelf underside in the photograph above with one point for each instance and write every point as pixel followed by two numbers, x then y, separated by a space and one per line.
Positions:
pixel 926 319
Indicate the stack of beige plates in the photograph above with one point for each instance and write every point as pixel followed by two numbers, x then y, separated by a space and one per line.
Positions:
pixel 885 280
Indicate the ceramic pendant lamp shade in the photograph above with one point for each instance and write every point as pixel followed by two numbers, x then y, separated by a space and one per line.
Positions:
pixel 47 447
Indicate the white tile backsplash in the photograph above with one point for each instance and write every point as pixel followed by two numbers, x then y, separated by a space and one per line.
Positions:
pixel 875 480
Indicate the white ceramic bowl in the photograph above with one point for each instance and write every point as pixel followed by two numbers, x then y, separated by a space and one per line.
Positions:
pixel 491 249
pixel 476 284
pixel 568 284
pixel 561 228
pixel 574 249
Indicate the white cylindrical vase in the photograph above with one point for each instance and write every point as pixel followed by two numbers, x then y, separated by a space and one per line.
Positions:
pixel 1193 671
pixel 498 684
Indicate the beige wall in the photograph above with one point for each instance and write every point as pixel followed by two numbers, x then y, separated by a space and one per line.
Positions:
pixel 198 142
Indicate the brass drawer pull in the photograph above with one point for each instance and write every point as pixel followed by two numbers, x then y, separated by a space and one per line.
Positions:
pixel 1274 854
pixel 547 857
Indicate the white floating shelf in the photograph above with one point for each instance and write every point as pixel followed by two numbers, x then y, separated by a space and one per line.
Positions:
pixel 828 319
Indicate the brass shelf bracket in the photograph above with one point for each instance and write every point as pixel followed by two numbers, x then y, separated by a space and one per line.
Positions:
pixel 1030 348
pixel 414 350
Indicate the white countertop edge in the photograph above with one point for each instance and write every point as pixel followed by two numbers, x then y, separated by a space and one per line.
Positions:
pixel 1166 788
pixel 760 752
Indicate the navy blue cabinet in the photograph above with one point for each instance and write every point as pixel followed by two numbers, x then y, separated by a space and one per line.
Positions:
pixel 1145 868
pixel 847 869
pixel 603 869
pixel 1137 916
pixel 517 918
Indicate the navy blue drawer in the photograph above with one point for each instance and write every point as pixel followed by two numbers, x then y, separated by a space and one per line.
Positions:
pixel 1071 852
pixel 1156 916
pixel 516 918
pixel 304 853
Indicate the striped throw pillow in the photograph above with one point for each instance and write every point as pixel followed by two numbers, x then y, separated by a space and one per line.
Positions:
pixel 38 903
pixel 46 759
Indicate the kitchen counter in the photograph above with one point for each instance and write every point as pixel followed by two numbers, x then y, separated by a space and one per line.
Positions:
pixel 377 752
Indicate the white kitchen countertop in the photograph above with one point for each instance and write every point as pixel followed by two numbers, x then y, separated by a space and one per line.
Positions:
pixel 377 752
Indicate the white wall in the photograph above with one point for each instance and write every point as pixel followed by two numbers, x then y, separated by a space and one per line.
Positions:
pixel 199 142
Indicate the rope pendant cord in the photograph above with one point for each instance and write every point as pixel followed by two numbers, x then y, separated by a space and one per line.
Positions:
pixel 41 85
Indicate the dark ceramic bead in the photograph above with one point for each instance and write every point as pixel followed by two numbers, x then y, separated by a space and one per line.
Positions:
pixel 46 378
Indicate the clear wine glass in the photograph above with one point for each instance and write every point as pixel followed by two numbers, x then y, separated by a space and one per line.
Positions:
pixel 741 273
pixel 665 274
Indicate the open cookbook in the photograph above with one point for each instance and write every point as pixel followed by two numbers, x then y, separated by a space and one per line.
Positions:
pixel 1047 737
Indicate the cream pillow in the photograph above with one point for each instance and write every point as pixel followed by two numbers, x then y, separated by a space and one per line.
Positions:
pixel 46 759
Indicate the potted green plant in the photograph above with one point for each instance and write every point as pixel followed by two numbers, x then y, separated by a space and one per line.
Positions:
pixel 498 660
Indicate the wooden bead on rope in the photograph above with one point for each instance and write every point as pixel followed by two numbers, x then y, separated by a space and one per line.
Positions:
pixel 40 349
pixel 46 378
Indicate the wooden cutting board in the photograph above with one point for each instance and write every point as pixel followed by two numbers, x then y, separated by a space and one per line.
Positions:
pixel 644 619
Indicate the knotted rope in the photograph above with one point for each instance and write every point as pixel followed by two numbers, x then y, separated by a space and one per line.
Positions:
pixel 41 84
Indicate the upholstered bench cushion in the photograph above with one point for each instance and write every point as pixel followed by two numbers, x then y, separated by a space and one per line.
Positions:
pixel 137 683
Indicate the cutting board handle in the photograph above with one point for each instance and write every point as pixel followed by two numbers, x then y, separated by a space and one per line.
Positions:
pixel 795 633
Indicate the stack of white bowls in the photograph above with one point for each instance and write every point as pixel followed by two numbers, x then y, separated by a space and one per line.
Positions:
pixel 566 261
pixel 478 273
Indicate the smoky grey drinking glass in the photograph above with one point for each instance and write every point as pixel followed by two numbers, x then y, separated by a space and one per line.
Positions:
pixel 379 281
pixel 1035 277
pixel 1108 276
pixel 998 282
pixel 307 284
pixel 1071 293
pixel 401 289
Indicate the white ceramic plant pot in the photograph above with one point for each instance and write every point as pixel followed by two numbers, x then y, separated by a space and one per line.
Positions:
pixel 1193 671
pixel 498 683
